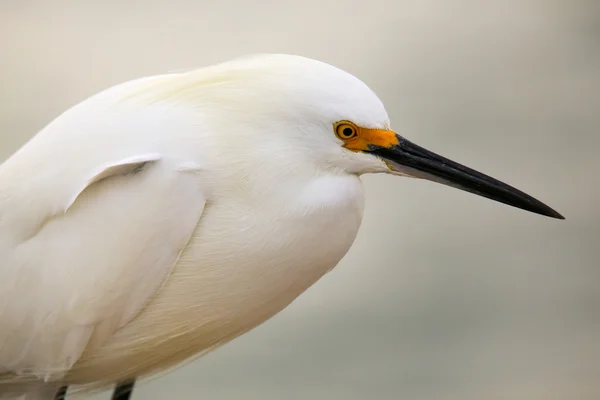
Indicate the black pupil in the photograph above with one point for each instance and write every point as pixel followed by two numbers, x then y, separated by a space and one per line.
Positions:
pixel 348 131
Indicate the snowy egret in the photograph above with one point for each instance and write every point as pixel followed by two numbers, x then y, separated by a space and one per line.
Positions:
pixel 167 215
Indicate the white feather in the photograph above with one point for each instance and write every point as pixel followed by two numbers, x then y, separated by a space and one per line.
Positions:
pixel 89 271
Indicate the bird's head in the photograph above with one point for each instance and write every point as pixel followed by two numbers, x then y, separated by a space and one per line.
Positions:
pixel 315 111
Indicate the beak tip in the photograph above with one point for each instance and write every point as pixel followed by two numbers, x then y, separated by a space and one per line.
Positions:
pixel 548 212
pixel 556 215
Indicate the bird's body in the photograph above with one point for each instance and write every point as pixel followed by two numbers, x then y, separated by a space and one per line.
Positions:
pixel 168 215
pixel 248 246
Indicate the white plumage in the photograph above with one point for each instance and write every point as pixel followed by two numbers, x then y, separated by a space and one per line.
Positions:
pixel 166 216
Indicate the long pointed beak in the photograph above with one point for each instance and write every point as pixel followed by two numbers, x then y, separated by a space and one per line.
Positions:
pixel 409 158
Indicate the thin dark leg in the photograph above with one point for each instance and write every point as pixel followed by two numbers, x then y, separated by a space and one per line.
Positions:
pixel 123 390
pixel 61 394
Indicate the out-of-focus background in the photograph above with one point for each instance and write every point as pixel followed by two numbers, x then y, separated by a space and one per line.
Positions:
pixel 444 295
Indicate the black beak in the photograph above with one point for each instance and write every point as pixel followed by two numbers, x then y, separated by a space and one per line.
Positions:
pixel 409 158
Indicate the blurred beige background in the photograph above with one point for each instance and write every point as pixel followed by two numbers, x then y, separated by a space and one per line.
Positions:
pixel 444 295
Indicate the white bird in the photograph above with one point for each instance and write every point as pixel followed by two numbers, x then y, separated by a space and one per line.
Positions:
pixel 165 216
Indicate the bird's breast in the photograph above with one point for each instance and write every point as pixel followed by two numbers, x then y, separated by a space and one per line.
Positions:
pixel 246 262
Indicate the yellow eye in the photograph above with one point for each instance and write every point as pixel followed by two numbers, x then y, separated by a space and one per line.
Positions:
pixel 346 130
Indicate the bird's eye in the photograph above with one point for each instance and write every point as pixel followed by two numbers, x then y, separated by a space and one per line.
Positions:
pixel 345 130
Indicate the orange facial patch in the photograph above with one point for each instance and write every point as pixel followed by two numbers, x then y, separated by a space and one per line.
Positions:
pixel 365 137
